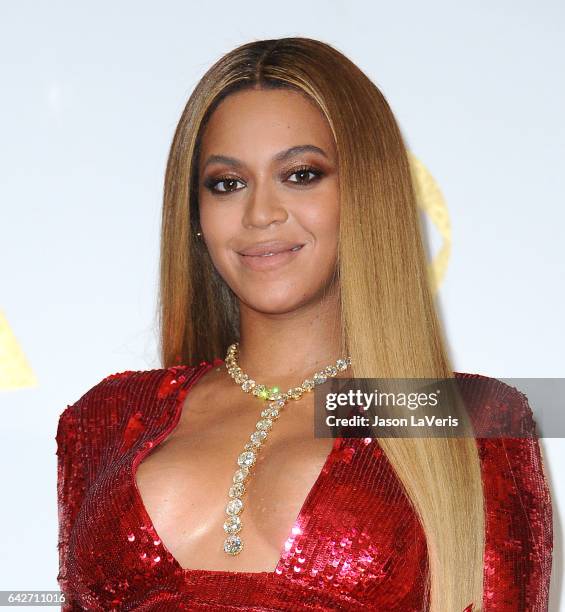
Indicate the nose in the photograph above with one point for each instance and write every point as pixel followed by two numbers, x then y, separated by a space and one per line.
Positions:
pixel 263 206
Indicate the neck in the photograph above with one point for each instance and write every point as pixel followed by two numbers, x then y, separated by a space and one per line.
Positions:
pixel 285 349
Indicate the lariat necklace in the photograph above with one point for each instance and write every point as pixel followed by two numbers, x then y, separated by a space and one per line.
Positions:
pixel 233 544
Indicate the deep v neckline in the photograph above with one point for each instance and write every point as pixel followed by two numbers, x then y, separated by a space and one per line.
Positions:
pixel 180 397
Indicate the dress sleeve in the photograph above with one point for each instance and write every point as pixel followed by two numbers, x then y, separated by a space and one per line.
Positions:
pixel 520 556
pixel 70 491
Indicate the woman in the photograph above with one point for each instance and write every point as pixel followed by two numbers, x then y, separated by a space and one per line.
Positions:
pixel 291 247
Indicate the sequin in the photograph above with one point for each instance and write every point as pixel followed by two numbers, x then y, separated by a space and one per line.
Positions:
pixel 356 544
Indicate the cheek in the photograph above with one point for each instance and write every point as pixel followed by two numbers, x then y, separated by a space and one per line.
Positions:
pixel 218 223
pixel 321 218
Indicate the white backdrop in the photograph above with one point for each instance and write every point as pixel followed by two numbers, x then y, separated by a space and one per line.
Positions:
pixel 91 93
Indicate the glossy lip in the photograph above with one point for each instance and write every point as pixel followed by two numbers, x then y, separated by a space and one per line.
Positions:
pixel 270 262
pixel 269 246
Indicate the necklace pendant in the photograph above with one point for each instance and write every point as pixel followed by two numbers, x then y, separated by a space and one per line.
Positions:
pixel 233 545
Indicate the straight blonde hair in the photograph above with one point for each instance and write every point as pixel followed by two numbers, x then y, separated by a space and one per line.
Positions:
pixel 389 321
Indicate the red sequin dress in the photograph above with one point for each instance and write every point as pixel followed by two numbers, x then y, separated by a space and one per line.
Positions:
pixel 356 543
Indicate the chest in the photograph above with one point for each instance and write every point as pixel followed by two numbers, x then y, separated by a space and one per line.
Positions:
pixel 184 483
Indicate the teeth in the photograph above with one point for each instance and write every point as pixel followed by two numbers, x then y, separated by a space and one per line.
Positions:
pixel 296 248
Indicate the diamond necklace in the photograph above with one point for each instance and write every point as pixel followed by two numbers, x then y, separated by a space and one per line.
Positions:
pixel 233 544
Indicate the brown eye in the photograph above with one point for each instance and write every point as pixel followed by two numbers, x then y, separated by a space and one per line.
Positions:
pixel 305 175
pixel 227 183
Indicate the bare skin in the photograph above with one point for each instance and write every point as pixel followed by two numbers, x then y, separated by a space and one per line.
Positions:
pixel 289 324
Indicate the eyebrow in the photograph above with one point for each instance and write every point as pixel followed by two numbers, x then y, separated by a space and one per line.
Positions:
pixel 281 156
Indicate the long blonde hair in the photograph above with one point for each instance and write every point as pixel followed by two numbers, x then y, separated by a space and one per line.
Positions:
pixel 389 321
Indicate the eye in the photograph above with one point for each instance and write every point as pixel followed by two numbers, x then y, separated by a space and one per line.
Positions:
pixel 227 182
pixel 302 173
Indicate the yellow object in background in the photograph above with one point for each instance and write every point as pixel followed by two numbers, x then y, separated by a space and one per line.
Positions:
pixel 432 202
pixel 15 371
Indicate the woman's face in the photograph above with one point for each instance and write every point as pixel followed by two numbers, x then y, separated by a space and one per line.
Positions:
pixel 268 182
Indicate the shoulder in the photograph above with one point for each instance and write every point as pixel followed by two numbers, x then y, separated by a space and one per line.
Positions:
pixel 110 401
pixel 515 454
pixel 495 407
pixel 108 392
pixel 507 439
pixel 114 415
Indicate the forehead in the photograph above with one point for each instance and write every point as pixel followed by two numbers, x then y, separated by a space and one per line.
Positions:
pixel 264 122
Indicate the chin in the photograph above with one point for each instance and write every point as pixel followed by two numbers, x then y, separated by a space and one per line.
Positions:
pixel 273 302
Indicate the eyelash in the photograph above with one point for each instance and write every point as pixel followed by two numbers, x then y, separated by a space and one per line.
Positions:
pixel 211 183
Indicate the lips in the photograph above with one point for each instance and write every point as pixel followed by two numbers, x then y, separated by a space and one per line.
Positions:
pixel 270 257
pixel 268 249
pixel 272 253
